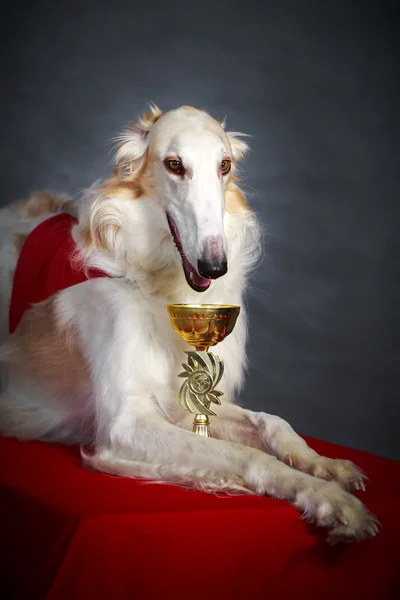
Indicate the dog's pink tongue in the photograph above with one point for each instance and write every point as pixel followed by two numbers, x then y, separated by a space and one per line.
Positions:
pixel 198 280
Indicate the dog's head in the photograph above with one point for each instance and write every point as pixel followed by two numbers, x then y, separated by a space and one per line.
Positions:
pixel 185 160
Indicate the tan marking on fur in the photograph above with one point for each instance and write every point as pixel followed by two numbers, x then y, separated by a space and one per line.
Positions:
pixel 235 199
pixel 135 169
pixel 42 203
pixel 45 352
pixel 144 122
pixel 150 117
pixel 19 207
pixel 129 190
pixel 145 179
pixel 139 182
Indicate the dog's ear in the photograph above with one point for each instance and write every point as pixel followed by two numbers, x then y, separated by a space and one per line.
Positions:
pixel 134 142
pixel 239 147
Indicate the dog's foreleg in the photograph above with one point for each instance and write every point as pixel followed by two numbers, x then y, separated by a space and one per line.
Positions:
pixel 280 439
pixel 275 436
pixel 169 453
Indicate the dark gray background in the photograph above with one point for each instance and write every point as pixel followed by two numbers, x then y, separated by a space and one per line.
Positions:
pixel 314 83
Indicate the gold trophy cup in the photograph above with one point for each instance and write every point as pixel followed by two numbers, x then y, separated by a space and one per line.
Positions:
pixel 202 326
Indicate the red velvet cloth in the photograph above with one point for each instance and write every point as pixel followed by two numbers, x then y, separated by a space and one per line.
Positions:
pixel 68 533
pixel 46 265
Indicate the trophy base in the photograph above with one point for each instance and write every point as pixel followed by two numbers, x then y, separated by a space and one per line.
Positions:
pixel 201 425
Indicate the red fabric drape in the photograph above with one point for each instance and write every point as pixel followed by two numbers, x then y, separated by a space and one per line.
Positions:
pixel 46 265
pixel 68 533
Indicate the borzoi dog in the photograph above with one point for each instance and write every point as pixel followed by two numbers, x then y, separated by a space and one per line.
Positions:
pixel 94 360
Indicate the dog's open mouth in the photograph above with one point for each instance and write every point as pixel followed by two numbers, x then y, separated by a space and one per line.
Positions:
pixel 196 281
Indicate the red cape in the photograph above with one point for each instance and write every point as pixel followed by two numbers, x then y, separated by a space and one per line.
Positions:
pixel 46 265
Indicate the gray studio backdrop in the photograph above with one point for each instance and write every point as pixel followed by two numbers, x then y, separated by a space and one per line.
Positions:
pixel 314 84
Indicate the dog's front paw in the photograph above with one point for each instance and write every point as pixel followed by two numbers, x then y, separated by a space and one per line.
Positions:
pixel 346 473
pixel 343 514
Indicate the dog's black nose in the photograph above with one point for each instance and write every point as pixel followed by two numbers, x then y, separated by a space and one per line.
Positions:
pixel 212 270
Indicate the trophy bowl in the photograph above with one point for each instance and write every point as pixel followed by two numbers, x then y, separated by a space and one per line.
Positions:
pixel 202 326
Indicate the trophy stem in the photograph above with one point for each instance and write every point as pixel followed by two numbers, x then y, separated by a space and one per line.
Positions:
pixel 201 425
pixel 202 326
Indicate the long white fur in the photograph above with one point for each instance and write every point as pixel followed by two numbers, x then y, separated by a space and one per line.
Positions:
pixel 128 407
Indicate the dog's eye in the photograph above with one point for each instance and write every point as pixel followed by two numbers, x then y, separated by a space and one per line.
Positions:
pixel 225 166
pixel 174 165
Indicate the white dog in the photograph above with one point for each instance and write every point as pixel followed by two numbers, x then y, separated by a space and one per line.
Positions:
pixel 97 363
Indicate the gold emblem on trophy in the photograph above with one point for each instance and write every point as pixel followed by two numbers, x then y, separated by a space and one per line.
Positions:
pixel 202 326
